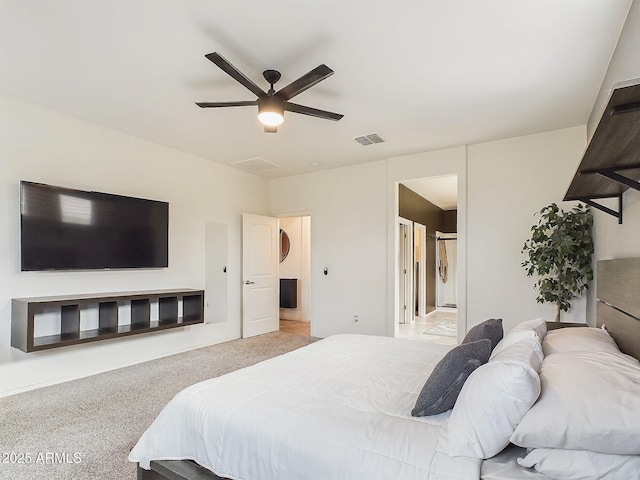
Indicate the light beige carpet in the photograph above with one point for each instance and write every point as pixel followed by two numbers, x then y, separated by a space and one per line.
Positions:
pixel 84 429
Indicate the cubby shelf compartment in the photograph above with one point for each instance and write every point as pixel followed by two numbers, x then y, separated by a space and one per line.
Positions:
pixel 66 327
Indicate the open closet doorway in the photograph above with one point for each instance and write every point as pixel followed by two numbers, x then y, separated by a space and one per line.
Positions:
pixel 406 276
pixel 447 278
pixel 429 206
pixel 295 274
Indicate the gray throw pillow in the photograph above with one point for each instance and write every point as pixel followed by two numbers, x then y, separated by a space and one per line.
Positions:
pixel 491 329
pixel 443 386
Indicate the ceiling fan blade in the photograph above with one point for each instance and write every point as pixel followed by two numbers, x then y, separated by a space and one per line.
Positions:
pixel 314 112
pixel 236 74
pixel 306 81
pixel 227 104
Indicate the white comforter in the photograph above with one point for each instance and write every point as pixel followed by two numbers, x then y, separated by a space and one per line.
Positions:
pixel 336 409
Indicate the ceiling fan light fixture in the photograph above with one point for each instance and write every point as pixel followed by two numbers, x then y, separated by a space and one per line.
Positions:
pixel 272 104
pixel 270 119
pixel 271 111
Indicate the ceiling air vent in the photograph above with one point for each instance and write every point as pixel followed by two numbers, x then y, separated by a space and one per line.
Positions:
pixel 255 164
pixel 369 139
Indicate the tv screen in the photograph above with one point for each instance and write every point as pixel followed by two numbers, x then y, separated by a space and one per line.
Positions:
pixel 65 229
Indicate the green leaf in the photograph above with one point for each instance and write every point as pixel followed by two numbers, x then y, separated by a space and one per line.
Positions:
pixel 559 253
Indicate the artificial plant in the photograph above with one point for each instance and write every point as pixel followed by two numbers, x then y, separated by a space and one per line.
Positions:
pixel 559 253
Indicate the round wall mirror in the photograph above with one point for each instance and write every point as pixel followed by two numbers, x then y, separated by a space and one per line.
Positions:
pixel 284 245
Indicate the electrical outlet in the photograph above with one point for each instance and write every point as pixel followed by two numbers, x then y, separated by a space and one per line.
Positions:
pixel 355 318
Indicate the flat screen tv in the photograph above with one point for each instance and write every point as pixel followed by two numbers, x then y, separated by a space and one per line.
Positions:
pixel 65 229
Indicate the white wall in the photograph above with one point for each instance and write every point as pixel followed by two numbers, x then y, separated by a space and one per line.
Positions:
pixel 611 239
pixel 624 64
pixel 501 185
pixel 44 146
pixel 348 237
pixel 508 181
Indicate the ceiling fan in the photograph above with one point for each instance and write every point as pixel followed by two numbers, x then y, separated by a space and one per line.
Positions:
pixel 272 104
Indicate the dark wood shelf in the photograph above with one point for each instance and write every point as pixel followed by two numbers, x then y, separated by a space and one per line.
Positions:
pixel 45 341
pixel 24 312
pixel 611 162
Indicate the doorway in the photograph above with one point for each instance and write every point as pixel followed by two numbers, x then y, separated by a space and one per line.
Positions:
pixel 428 208
pixel 295 274
pixel 447 275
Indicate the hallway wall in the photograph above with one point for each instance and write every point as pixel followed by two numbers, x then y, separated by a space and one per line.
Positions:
pixel 450 218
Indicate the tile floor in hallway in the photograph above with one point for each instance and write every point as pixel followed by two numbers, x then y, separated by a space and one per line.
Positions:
pixel 415 331
pixel 296 327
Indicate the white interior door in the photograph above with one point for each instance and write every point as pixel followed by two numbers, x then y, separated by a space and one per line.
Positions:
pixel 405 273
pixel 420 282
pixel 261 285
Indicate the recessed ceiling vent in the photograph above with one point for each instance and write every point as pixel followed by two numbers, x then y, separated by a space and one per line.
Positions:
pixel 255 164
pixel 369 139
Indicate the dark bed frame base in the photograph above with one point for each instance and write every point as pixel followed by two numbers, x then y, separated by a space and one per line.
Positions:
pixel 176 470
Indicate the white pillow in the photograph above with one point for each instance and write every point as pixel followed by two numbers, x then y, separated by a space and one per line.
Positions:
pixel 589 401
pixel 536 328
pixel 527 352
pixel 538 325
pixel 581 464
pixel 577 339
pixel 492 401
pixel 512 338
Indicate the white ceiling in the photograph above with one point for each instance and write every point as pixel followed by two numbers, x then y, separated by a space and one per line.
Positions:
pixel 442 191
pixel 423 74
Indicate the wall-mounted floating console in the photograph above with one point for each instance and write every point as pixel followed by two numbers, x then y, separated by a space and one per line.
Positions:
pixel 42 323
pixel 611 163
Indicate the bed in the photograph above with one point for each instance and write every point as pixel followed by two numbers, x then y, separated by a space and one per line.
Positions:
pixel 341 408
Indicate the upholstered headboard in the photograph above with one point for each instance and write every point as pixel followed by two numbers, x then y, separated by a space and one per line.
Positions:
pixel 618 306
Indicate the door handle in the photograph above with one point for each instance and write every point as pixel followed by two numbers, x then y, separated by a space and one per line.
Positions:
pixel 249 282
